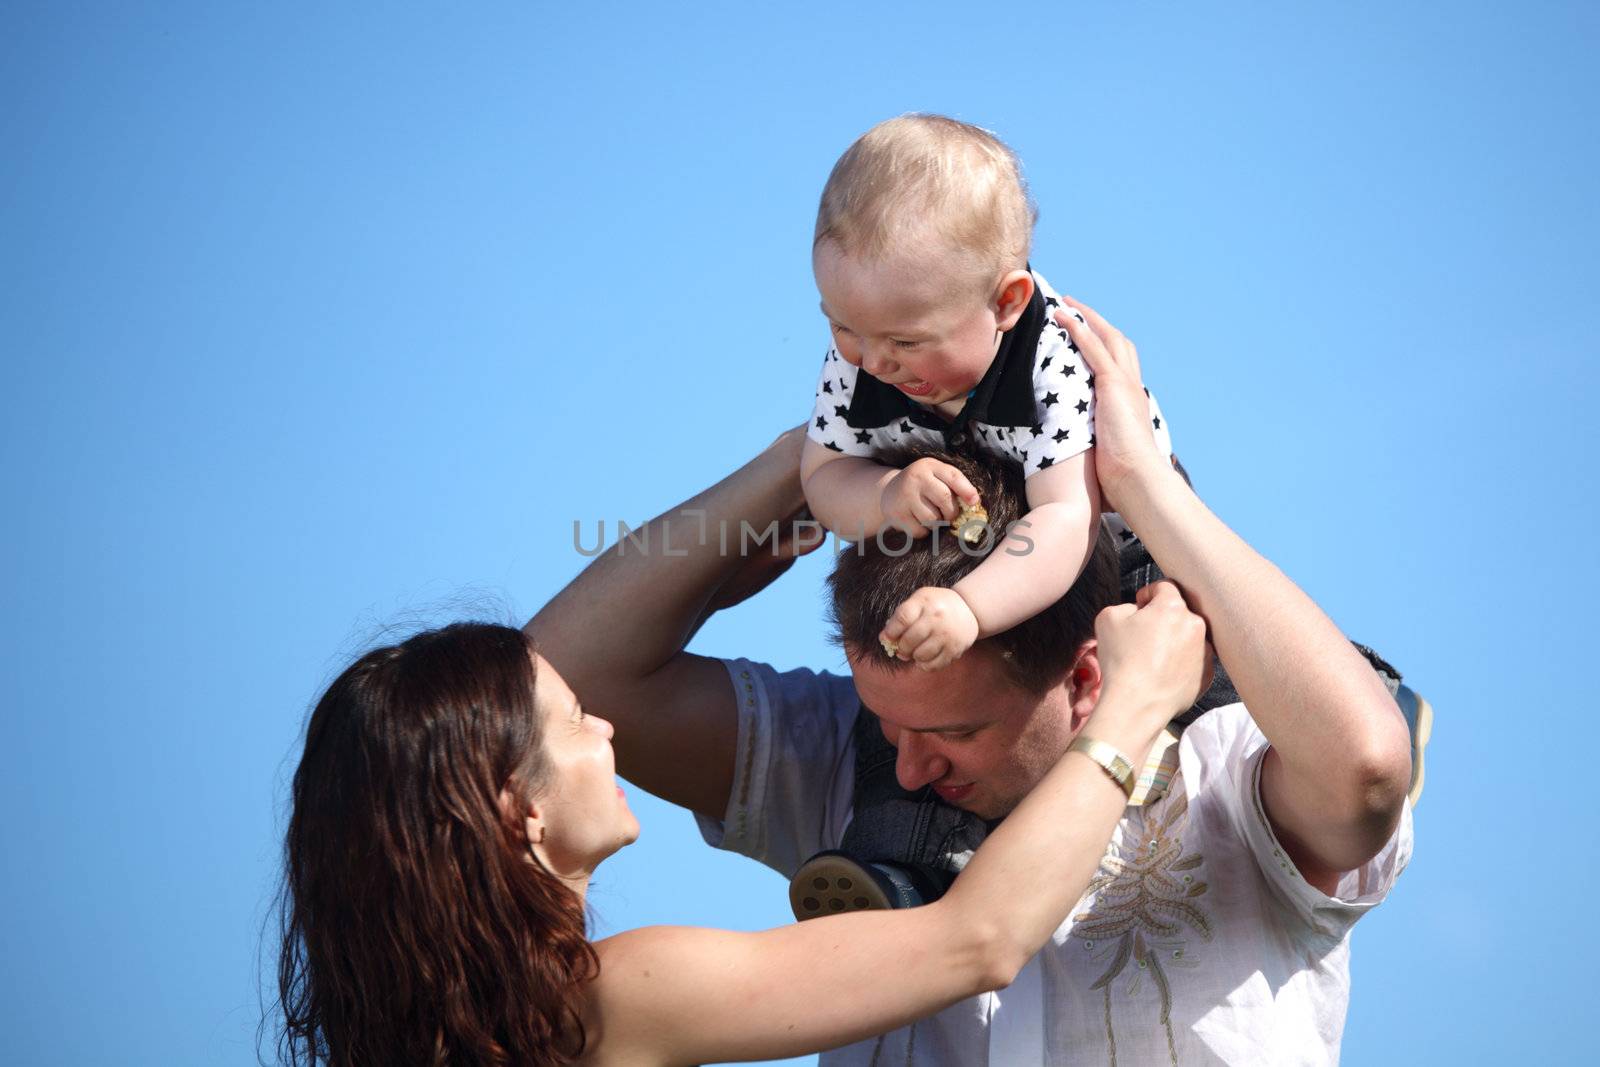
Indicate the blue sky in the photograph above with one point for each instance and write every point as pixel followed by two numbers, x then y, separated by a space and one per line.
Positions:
pixel 311 317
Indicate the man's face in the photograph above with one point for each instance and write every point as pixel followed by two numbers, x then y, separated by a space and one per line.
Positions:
pixel 967 730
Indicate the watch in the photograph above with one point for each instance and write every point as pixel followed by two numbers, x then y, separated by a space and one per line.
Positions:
pixel 1111 760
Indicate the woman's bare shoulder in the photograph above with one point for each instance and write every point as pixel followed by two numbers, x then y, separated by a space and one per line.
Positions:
pixel 643 993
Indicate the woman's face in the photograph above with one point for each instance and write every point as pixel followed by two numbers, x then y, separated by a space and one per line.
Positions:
pixel 582 811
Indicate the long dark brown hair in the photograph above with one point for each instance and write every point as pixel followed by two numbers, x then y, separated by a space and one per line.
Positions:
pixel 415 930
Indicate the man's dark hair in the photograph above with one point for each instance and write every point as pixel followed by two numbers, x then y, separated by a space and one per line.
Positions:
pixel 873 578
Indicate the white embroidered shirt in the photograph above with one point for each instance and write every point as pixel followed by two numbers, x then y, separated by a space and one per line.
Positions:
pixel 1197 943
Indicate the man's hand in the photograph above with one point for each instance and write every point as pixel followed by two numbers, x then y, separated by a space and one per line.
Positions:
pixel 932 628
pixel 798 535
pixel 1155 660
pixel 1124 440
pixel 1334 781
pixel 924 494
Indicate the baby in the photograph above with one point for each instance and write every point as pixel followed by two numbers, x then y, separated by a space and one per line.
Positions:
pixel 944 336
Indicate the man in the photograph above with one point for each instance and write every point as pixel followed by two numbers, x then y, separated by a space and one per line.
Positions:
pixel 1218 928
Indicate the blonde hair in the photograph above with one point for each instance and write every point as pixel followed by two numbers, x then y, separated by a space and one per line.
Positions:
pixel 926 180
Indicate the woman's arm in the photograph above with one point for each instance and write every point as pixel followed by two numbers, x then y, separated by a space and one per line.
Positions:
pixel 673 995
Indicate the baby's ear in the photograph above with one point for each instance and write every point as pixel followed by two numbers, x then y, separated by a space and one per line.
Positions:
pixel 1011 298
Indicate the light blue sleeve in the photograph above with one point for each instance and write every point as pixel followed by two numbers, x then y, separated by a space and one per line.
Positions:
pixel 795 773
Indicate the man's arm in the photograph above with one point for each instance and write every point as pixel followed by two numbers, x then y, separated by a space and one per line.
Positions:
pixel 1334 783
pixel 617 633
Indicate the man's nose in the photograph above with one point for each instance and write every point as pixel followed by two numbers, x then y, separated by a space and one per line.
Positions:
pixel 916 763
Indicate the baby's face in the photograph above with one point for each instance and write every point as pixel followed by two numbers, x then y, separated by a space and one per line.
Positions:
pixel 915 325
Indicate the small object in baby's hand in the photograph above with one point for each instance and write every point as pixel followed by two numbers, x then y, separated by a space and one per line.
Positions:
pixel 890 649
pixel 971 523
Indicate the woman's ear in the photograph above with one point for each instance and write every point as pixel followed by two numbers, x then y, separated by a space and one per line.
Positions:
pixel 1083 683
pixel 1011 298
pixel 533 826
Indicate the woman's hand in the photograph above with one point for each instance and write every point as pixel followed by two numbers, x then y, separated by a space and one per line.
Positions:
pixel 1155 661
pixel 1124 439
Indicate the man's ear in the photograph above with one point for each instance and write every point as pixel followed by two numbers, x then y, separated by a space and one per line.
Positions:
pixel 1011 298
pixel 1083 683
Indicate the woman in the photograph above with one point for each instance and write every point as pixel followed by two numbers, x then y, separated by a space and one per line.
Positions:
pixel 454 799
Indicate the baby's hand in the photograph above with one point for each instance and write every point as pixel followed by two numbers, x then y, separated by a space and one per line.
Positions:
pixel 924 494
pixel 931 628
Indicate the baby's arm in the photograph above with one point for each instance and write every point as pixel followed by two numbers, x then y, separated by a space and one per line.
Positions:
pixel 856 498
pixel 843 492
pixel 1057 535
pixel 1032 569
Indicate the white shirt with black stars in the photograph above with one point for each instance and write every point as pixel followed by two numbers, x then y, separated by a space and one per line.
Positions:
pixel 1035 405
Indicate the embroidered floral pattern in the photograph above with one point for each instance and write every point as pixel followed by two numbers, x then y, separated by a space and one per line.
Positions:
pixel 1143 901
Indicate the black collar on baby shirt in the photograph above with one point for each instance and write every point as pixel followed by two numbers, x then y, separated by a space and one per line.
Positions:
pixel 1004 396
